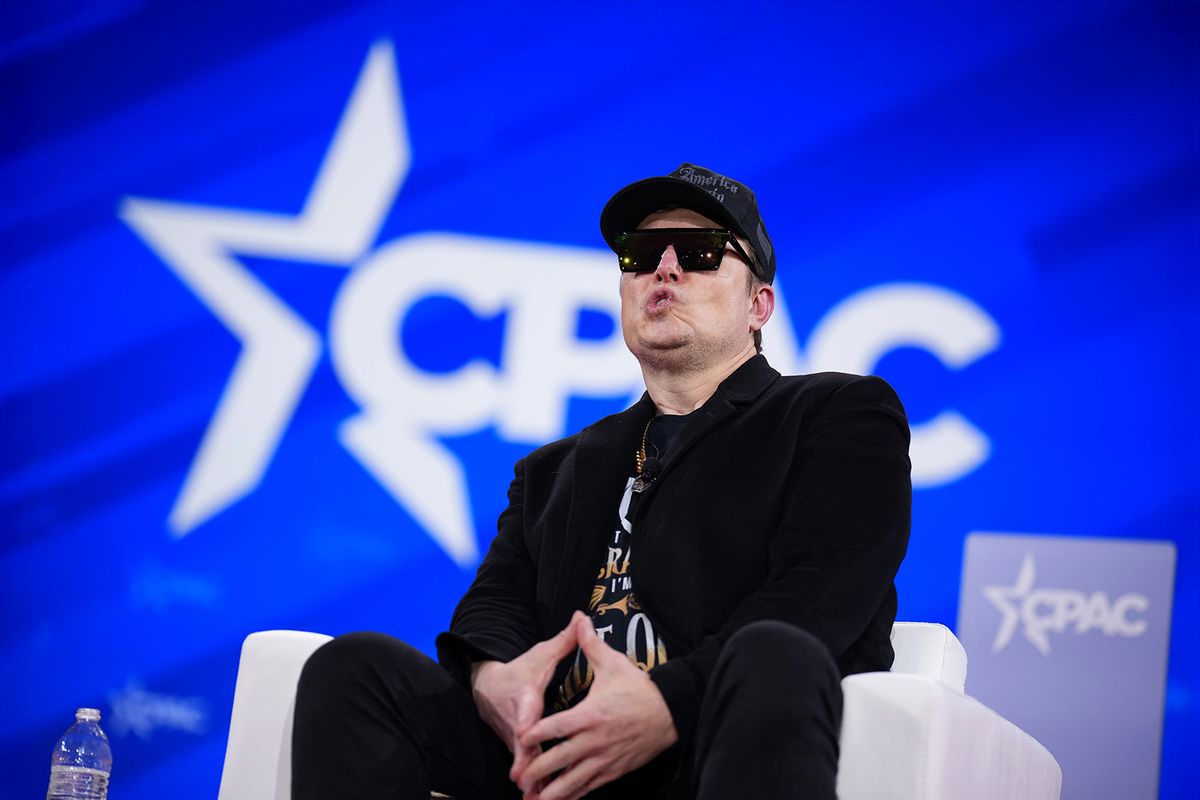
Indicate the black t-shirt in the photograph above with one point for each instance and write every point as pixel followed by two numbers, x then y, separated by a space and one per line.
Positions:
pixel 614 608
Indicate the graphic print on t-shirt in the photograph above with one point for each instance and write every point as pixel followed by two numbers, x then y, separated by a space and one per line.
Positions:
pixel 616 614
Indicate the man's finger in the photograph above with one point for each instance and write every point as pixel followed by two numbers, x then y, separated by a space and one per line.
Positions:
pixel 562 725
pixel 550 761
pixel 522 757
pixel 560 644
pixel 583 624
pixel 528 711
pixel 574 782
pixel 562 639
pixel 598 653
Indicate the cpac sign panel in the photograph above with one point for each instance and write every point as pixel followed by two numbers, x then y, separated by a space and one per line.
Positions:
pixel 543 288
pixel 1082 627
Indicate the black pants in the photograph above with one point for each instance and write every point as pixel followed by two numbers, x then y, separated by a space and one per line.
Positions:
pixel 376 718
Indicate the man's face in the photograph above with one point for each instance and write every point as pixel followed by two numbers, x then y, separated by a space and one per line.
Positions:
pixel 675 318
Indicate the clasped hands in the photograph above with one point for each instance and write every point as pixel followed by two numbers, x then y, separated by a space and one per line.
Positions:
pixel 622 723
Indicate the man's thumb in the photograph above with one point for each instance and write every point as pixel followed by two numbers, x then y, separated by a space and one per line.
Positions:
pixel 528 712
pixel 590 642
pixel 562 643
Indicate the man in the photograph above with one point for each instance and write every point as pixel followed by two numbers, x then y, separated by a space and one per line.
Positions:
pixel 769 515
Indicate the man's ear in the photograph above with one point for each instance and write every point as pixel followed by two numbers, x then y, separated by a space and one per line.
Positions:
pixel 762 305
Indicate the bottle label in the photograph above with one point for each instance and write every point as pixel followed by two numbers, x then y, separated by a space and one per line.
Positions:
pixel 80 771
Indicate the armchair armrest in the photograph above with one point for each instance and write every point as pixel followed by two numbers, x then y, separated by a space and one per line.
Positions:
pixel 258 756
pixel 908 736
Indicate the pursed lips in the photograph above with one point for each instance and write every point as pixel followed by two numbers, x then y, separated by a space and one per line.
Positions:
pixel 659 301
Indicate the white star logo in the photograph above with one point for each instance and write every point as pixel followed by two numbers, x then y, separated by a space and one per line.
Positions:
pixel 1008 601
pixel 361 174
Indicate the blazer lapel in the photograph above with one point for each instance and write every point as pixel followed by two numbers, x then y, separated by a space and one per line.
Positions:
pixel 604 460
pixel 745 384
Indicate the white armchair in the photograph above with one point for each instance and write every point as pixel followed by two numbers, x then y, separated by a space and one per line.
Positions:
pixel 908 734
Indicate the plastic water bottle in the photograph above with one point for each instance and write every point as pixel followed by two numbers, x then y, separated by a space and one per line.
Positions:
pixel 82 760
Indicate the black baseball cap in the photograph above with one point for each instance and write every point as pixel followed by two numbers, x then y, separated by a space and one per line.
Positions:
pixel 716 196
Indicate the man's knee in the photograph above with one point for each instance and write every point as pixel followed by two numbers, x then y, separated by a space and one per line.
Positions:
pixel 353 657
pixel 775 689
pixel 778 651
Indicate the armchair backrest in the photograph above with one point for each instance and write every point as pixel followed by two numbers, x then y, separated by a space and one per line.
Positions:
pixel 931 650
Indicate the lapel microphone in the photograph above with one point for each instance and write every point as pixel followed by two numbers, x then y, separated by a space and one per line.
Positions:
pixel 650 469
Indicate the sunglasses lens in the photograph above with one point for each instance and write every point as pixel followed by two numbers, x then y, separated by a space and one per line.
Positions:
pixel 641 251
pixel 700 251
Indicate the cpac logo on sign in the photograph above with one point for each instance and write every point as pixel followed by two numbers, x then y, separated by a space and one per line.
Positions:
pixel 1045 611
pixel 543 289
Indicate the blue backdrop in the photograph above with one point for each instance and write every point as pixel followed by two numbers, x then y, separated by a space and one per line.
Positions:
pixel 287 287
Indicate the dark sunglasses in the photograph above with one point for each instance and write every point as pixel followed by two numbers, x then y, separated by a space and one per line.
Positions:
pixel 695 248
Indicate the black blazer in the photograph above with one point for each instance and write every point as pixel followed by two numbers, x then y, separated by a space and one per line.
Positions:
pixel 782 498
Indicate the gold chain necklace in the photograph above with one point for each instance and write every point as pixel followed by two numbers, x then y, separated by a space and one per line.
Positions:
pixel 640 458
pixel 640 483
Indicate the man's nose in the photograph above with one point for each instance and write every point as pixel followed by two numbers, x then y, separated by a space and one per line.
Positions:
pixel 668 266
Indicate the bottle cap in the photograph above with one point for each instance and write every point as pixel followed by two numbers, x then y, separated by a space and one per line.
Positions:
pixel 87 715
